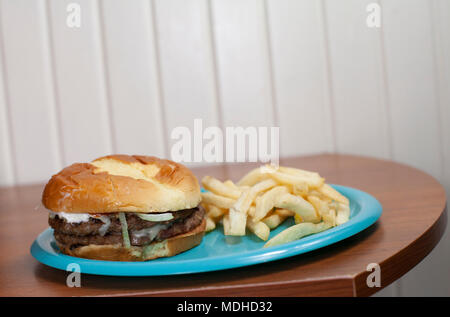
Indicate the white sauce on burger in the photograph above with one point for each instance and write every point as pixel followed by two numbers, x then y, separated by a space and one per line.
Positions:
pixel 71 218
pixel 79 218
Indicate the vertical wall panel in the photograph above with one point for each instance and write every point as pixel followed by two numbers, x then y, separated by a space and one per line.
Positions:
pixel 416 137
pixel 411 80
pixel 300 76
pixel 358 91
pixel 441 18
pixel 186 61
pixel 131 62
pixel 30 90
pixel 432 276
pixel 243 62
pixel 82 95
pixel 356 76
pixel 6 157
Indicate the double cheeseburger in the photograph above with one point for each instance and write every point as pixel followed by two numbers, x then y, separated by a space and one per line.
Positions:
pixel 125 208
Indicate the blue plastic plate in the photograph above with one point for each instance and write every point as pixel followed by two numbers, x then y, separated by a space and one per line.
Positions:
pixel 219 252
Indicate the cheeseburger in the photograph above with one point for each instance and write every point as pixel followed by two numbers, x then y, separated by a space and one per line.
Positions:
pixel 125 208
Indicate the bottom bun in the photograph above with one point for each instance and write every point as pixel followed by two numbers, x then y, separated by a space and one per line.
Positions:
pixel 117 252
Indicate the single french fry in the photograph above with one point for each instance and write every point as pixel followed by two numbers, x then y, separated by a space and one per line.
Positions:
pixel 243 202
pixel 251 210
pixel 210 224
pixel 298 219
pixel 321 206
pixel 266 202
pixel 296 232
pixel 230 184
pixel 300 189
pixel 262 186
pixel 219 201
pixel 274 220
pixel 333 194
pixel 238 222
pixel 238 214
pixel 284 212
pixel 314 192
pixel 297 171
pixel 288 179
pixel 215 212
pixel 252 177
pixel 217 187
pixel 330 217
pixel 290 176
pixel 259 228
pixel 205 206
pixel 299 205
pixel 343 214
pixel 226 224
pixel 333 204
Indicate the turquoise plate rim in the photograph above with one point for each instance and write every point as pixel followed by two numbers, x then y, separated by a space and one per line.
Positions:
pixel 370 211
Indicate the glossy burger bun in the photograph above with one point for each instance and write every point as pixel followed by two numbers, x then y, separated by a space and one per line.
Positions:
pixel 117 252
pixel 122 183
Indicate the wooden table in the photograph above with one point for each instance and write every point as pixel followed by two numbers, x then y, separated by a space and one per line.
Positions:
pixel 413 221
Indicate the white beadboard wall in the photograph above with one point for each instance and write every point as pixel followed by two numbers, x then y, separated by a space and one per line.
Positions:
pixel 135 70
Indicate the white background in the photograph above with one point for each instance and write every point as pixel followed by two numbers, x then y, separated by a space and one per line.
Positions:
pixel 137 69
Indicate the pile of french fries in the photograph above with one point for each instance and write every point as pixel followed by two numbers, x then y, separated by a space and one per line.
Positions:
pixel 266 197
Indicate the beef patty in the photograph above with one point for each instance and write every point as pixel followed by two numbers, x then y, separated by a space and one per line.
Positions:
pixel 141 232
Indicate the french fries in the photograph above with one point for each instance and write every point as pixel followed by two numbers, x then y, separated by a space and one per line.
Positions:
pixel 265 197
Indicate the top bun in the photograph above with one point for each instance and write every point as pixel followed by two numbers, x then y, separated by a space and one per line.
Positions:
pixel 118 183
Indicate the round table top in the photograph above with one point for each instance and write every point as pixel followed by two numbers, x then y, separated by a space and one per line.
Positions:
pixel 413 221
